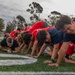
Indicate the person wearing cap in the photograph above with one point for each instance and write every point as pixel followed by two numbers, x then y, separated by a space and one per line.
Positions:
pixel 67 25
pixel 9 45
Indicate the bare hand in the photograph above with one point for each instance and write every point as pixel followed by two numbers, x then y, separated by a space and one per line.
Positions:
pixel 9 51
pixel 48 62
pixel 55 64
pixel 35 56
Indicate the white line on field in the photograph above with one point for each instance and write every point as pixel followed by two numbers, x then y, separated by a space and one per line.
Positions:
pixel 37 73
pixel 8 62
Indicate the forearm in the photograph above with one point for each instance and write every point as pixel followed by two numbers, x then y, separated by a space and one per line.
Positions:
pixel 4 50
pixel 33 49
pixel 60 57
pixel 54 54
pixel 35 45
pixel 22 45
pixel 62 52
pixel 55 51
pixel 30 45
pixel 41 50
pixel 69 61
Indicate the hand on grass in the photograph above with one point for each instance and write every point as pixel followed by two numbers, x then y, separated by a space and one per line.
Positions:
pixel 35 56
pixel 15 51
pixel 47 62
pixel 54 64
pixel 9 51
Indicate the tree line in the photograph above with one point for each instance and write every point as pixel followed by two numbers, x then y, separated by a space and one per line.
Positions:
pixel 35 9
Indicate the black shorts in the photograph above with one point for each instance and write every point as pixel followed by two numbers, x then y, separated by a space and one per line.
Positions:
pixel 67 56
pixel 3 43
pixel 15 45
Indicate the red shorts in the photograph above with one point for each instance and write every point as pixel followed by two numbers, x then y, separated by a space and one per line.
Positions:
pixel 70 49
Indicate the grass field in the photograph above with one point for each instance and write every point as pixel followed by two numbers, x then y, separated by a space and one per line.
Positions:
pixel 38 66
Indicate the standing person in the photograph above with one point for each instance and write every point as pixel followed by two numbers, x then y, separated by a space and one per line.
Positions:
pixel 67 25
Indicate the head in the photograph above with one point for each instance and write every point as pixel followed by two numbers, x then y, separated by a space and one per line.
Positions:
pixel 26 25
pixel 18 29
pixel 9 41
pixel 66 24
pixel 6 35
pixel 17 33
pixel 43 36
pixel 27 38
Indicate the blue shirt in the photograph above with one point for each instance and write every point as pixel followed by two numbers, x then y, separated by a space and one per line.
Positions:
pixel 69 37
pixel 56 37
pixel 60 37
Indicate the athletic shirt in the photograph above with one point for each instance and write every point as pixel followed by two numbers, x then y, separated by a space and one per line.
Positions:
pixel 37 25
pixel 15 44
pixel 56 37
pixel 35 32
pixel 69 37
pixel 12 34
pixel 26 29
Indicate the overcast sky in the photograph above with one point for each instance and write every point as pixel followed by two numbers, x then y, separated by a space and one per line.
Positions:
pixel 12 8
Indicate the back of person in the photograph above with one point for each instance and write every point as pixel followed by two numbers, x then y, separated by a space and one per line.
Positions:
pixel 37 25
pixel 35 32
pixel 14 33
pixel 54 35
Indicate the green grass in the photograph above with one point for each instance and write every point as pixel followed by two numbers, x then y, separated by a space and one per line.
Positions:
pixel 38 66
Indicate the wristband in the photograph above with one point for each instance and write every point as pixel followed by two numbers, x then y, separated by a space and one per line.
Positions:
pixel 52 60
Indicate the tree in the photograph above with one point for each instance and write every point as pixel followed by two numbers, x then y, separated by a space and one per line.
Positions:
pixel 8 27
pixel 14 23
pixel 20 18
pixel 55 13
pixel 55 16
pixel 1 24
pixel 35 10
pixel 21 21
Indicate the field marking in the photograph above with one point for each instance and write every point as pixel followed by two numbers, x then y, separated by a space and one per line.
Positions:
pixel 37 73
pixel 8 62
pixel 27 60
